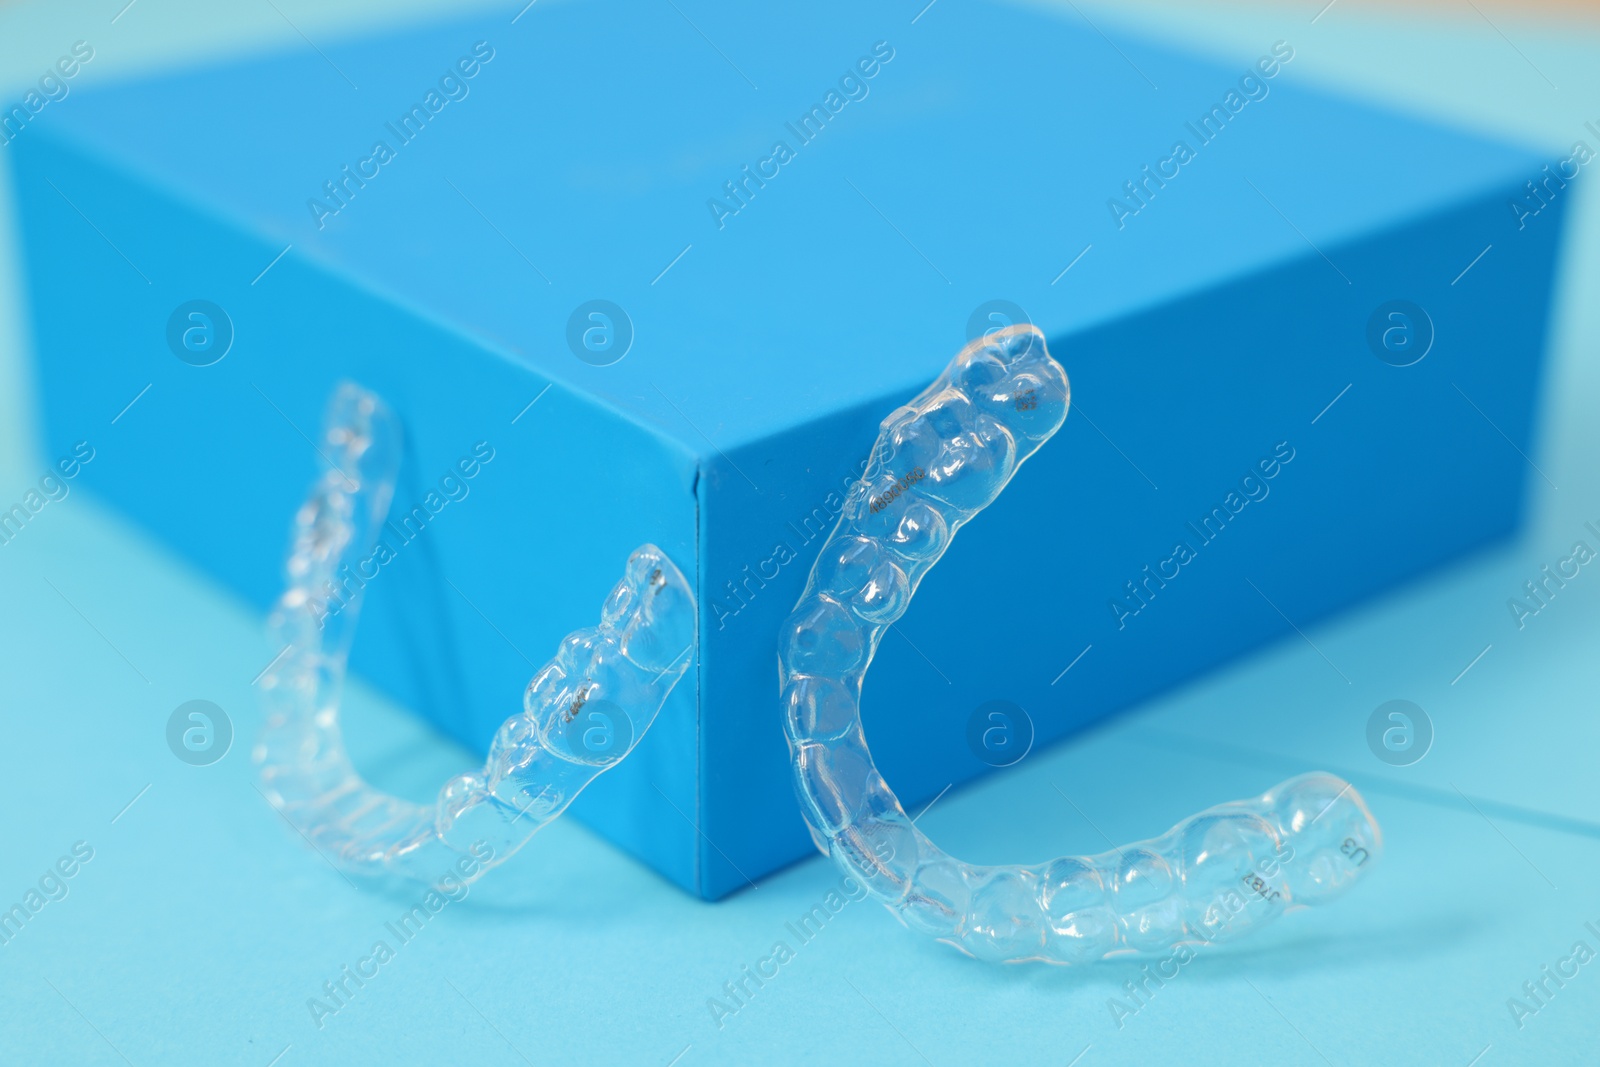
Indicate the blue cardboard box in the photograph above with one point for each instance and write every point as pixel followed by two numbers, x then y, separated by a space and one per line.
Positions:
pixel 655 272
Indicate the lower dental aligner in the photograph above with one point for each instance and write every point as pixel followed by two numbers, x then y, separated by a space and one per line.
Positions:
pixel 582 713
pixel 938 461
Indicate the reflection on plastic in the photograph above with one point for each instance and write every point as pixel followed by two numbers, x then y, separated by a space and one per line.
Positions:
pixel 582 713
pixel 1214 876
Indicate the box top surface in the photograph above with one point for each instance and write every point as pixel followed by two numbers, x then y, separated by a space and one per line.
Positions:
pixel 976 163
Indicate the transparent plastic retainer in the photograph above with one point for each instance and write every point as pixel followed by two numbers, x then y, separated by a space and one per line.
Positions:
pixel 937 463
pixel 582 713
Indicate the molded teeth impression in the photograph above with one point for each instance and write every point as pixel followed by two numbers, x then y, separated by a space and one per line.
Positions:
pixel 582 713
pixel 938 462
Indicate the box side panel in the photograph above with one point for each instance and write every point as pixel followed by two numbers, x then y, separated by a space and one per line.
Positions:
pixel 488 570
pixel 1246 445
pixel 765 512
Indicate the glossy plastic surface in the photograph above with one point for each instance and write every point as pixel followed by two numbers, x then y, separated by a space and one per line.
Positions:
pixel 582 713
pixel 937 463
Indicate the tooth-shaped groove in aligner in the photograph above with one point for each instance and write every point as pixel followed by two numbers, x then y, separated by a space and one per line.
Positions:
pixel 582 713
pixel 939 461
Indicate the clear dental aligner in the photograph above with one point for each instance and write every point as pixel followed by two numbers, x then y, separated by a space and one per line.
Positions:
pixel 937 462
pixel 540 759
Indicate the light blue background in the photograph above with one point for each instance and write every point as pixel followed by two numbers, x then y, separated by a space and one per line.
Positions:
pixel 203 924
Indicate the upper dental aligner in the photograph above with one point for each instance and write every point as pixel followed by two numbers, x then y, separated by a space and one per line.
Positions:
pixel 938 461
pixel 537 762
